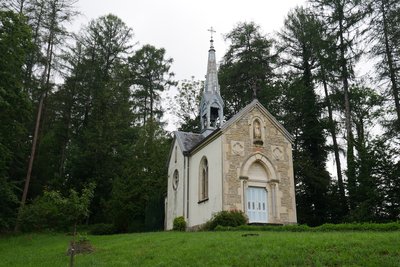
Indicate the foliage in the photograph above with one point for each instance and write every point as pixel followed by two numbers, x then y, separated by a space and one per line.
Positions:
pixel 102 229
pixel 378 190
pixel 154 217
pixel 15 110
pixel 150 76
pixel 384 34
pixel 55 211
pixel 299 42
pixel 231 218
pixel 179 224
pixel 185 105
pixel 9 204
pixel 246 70
pixel 222 249
pixel 94 131
pixel 345 20
pixel 137 196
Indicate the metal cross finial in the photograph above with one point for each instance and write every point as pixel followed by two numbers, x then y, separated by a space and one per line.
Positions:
pixel 211 30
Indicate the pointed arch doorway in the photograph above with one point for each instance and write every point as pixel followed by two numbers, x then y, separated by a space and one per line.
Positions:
pixel 258 192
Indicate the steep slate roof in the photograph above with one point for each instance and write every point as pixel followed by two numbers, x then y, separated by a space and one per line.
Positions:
pixel 187 141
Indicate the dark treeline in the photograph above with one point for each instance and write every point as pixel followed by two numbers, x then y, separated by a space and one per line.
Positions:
pixel 84 109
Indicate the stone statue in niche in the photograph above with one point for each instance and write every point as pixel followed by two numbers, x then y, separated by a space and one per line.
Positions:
pixel 257 129
pixel 257 136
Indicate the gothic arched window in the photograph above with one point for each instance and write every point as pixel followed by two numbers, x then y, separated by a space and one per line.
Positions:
pixel 203 180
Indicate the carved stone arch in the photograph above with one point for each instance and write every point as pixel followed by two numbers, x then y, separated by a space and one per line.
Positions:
pixel 264 161
pixel 270 184
pixel 215 104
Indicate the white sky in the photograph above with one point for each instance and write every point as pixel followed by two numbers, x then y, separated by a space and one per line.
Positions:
pixel 181 26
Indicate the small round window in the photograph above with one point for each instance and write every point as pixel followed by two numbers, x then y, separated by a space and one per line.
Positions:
pixel 175 180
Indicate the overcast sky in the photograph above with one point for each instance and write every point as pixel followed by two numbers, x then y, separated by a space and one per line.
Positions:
pixel 181 26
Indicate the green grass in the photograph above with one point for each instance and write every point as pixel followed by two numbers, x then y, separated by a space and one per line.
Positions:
pixel 209 249
pixel 343 227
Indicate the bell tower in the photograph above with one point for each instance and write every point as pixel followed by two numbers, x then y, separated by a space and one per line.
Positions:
pixel 211 104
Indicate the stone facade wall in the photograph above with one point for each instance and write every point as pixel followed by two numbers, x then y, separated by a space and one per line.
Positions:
pixel 240 146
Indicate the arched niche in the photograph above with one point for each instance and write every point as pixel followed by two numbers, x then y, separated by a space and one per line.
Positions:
pixel 258 172
pixel 257 130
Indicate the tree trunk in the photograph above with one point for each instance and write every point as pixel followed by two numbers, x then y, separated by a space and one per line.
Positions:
pixel 151 102
pixel 351 179
pixel 335 147
pixel 64 145
pixel 30 165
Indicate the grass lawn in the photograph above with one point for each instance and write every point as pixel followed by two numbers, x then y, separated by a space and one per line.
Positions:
pixel 209 249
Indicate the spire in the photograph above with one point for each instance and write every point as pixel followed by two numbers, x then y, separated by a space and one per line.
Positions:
pixel 211 84
pixel 211 105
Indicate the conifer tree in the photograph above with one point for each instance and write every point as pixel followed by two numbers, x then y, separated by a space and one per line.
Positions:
pixel 150 77
pixel 345 18
pixel 384 33
pixel 246 70
pixel 298 39
pixel 366 112
pixel 15 110
pixel 101 110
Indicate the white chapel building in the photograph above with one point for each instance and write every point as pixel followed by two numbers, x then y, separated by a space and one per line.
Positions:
pixel 242 164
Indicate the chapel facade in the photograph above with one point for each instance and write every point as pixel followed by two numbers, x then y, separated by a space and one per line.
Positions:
pixel 242 164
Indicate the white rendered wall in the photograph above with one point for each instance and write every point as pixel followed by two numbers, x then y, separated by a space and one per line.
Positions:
pixel 200 213
pixel 175 198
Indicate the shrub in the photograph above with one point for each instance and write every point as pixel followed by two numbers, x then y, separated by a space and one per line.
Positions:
pixel 102 229
pixel 45 213
pixel 232 218
pixel 53 211
pixel 179 224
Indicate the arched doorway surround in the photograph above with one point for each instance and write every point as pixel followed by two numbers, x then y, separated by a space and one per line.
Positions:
pixel 260 184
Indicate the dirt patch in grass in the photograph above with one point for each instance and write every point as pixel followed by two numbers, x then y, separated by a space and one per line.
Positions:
pixel 79 247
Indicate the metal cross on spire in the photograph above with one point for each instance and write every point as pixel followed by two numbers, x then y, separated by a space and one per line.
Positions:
pixel 211 30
